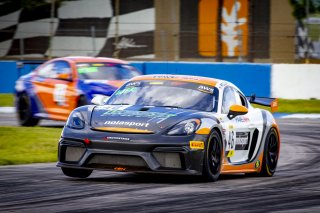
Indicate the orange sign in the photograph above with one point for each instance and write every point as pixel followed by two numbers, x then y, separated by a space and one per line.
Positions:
pixel 234 27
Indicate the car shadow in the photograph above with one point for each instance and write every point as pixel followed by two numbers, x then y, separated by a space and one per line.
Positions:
pixel 144 178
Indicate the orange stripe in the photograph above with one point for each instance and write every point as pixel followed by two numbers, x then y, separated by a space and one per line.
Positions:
pixel 203 131
pixel 118 129
pixel 249 167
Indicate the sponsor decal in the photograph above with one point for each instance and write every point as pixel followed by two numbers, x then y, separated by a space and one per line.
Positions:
pixel 156 83
pixel 230 154
pixel 196 144
pixel 116 139
pixel 205 89
pixel 242 119
pixel 133 84
pixel 257 164
pixel 121 169
pixel 127 123
pixel 242 140
pixel 83 70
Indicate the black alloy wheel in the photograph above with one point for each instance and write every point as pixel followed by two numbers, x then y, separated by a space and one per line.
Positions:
pixel 213 157
pixel 24 111
pixel 271 154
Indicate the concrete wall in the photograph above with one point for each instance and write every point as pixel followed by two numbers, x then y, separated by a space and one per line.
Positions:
pixel 250 78
pixel 295 81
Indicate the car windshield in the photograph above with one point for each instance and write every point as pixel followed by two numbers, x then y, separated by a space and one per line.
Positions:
pixel 175 94
pixel 109 71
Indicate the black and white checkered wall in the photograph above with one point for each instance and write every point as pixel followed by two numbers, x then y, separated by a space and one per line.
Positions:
pixel 80 27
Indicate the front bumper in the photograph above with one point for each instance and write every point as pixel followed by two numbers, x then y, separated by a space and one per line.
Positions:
pixel 154 153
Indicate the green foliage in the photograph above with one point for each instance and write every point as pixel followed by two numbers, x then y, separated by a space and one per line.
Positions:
pixel 299 8
pixel 21 145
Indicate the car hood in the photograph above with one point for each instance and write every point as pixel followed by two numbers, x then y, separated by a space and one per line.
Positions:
pixel 137 119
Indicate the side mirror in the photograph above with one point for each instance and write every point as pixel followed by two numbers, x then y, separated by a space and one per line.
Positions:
pixel 236 110
pixel 100 99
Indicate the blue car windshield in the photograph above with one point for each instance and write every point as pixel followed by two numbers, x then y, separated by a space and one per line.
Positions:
pixel 107 71
pixel 168 93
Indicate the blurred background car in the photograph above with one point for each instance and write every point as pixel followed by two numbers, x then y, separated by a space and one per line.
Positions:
pixel 58 86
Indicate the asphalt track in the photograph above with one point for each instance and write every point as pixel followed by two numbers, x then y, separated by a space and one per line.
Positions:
pixel 294 188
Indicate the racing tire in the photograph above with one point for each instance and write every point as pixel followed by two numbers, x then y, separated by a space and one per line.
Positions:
pixel 82 101
pixel 270 154
pixel 24 111
pixel 76 173
pixel 213 157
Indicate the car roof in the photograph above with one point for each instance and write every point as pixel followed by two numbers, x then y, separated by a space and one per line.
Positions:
pixel 93 59
pixel 183 78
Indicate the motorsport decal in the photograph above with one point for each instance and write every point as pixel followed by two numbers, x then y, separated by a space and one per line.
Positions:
pixel 127 123
pixel 139 114
pixel 242 140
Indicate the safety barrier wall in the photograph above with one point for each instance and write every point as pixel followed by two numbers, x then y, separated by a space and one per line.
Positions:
pixel 291 81
pixel 295 81
pixel 250 78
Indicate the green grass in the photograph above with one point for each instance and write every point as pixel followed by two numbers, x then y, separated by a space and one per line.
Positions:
pixel 22 145
pixel 6 100
pixel 296 106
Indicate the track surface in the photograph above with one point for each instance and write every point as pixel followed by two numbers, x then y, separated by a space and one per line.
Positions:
pixel 294 188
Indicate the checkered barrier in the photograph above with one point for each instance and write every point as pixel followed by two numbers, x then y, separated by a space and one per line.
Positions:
pixel 79 27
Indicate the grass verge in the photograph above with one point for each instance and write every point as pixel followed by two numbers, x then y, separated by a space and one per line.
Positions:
pixel 296 106
pixel 6 100
pixel 22 145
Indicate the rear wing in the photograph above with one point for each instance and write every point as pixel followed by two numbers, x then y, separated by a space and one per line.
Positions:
pixel 269 102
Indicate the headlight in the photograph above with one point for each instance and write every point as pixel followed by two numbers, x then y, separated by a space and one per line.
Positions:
pixel 75 120
pixel 186 127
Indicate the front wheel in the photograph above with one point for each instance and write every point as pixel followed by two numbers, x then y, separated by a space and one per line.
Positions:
pixel 213 157
pixel 270 154
pixel 24 111
pixel 77 173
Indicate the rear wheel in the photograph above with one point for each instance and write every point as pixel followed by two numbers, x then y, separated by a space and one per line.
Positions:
pixel 78 173
pixel 24 111
pixel 270 155
pixel 213 157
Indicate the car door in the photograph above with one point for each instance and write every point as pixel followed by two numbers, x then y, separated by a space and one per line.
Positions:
pixel 241 138
pixel 55 89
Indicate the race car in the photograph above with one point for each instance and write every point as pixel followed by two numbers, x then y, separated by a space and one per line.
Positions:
pixel 172 124
pixel 58 86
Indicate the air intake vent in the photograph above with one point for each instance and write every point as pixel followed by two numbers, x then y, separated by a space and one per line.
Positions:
pixel 168 160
